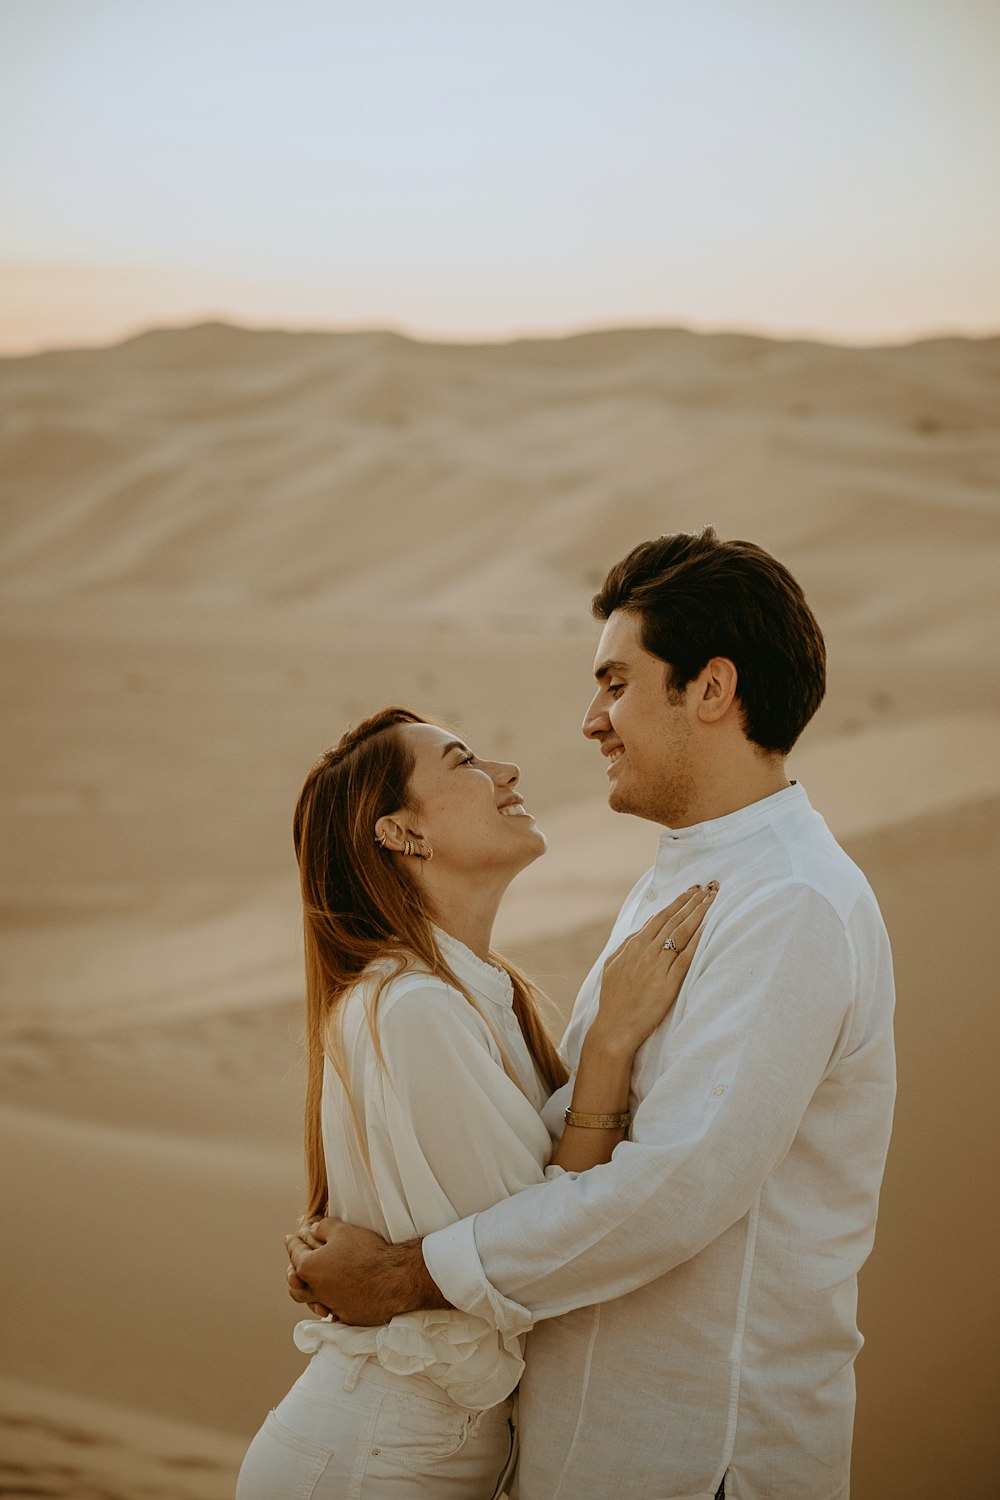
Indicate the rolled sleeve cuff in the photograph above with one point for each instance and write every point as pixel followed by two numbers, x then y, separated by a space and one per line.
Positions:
pixel 452 1259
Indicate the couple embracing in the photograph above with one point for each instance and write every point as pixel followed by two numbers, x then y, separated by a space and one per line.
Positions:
pixel 651 1235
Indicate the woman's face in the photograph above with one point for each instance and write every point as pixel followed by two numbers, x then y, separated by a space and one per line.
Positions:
pixel 466 808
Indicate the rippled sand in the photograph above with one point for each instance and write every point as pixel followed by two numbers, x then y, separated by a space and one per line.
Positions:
pixel 220 547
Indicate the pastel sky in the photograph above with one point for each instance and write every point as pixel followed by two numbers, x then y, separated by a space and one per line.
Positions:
pixel 456 169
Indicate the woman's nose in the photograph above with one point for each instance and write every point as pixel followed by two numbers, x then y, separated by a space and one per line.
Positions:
pixel 507 774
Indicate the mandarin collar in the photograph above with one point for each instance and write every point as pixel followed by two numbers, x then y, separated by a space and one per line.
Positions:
pixel 717 832
pixel 488 980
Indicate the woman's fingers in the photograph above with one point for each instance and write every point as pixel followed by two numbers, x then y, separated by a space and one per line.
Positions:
pixel 681 927
pixel 679 921
pixel 684 955
pixel 667 913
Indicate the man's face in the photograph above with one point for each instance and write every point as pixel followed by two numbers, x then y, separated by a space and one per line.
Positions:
pixel 642 725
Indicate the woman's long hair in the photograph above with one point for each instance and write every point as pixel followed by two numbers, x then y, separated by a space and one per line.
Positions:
pixel 359 908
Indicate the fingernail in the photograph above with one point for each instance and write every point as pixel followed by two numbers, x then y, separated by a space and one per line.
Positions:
pixel 713 886
pixel 692 888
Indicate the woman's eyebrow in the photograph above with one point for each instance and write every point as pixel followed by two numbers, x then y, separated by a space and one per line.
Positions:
pixel 455 745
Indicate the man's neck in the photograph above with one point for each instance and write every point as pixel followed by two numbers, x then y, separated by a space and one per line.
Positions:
pixel 728 793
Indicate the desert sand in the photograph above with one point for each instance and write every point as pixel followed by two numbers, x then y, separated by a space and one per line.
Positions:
pixel 222 546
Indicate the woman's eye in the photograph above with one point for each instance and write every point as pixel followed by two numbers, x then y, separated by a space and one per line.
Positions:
pixel 468 760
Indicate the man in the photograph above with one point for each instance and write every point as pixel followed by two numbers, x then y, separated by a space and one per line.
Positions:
pixel 692 1303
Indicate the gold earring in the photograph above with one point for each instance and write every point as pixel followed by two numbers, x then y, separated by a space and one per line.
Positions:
pixel 407 847
pixel 380 840
pixel 429 852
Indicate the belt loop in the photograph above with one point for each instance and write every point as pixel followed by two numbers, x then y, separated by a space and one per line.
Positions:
pixel 354 1373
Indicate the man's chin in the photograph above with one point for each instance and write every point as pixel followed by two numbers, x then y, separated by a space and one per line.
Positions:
pixel 620 802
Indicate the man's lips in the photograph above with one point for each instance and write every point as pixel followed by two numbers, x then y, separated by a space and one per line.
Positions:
pixel 614 755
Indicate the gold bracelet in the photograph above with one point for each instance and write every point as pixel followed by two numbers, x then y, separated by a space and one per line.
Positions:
pixel 620 1121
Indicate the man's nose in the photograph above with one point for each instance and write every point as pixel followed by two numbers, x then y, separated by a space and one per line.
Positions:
pixel 595 720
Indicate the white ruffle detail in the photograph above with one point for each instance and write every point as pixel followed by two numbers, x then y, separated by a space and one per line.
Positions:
pixel 468 1358
pixel 489 980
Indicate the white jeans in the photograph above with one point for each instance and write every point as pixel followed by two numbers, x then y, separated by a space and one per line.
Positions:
pixel 349 1430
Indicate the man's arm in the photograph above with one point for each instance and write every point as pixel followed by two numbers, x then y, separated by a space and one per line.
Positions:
pixel 757 1035
pixel 763 1020
pixel 358 1275
pixel 365 1280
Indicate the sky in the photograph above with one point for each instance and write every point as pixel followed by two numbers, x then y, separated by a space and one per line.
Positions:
pixel 462 171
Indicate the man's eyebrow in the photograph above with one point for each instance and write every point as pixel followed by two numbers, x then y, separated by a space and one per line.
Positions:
pixel 607 667
pixel 455 745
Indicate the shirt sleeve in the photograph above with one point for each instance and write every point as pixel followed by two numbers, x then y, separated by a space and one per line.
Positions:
pixel 449 1132
pixel 757 1027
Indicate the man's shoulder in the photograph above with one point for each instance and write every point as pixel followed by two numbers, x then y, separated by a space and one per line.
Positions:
pixel 807 855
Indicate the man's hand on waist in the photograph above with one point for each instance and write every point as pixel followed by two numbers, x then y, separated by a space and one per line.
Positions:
pixel 357 1275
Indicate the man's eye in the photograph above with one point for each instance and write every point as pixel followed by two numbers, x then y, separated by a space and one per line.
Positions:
pixel 615 687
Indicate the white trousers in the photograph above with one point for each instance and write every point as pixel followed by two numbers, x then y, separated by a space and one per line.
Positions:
pixel 349 1430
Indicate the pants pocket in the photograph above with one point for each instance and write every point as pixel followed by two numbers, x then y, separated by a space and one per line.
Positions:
pixel 415 1435
pixel 279 1462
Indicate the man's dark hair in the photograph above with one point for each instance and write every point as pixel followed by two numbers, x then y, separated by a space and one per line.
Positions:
pixel 700 597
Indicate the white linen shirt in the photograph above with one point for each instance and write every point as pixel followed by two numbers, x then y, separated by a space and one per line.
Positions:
pixel 693 1300
pixel 447 1132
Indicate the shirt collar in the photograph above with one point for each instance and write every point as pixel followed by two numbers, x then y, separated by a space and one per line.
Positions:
pixel 717 832
pixel 490 981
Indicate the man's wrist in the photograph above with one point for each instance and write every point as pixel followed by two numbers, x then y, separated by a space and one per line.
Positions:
pixel 406 1283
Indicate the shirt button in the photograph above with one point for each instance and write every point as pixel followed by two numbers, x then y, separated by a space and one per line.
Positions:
pixel 720 1088
pixel 650 895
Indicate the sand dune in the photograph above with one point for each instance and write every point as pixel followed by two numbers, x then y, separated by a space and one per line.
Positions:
pixel 222 546
pixel 69 1448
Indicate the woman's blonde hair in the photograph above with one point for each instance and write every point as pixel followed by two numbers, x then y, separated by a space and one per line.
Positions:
pixel 360 908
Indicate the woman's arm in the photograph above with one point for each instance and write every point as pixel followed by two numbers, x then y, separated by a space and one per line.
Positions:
pixel 640 983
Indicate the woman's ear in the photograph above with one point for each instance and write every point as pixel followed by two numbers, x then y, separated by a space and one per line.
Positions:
pixel 389 834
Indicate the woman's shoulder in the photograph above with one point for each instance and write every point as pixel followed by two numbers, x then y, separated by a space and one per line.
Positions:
pixel 412 1000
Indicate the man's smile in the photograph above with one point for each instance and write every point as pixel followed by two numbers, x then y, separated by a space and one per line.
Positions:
pixel 614 755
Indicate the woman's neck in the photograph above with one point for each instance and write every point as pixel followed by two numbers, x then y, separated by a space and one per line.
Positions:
pixel 466 911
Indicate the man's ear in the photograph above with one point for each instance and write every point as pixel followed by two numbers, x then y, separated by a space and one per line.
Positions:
pixel 715 688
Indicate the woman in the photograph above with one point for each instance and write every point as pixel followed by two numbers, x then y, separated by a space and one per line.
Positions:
pixel 427 1068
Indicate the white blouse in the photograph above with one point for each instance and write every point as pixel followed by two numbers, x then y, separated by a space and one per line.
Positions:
pixel 448 1133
